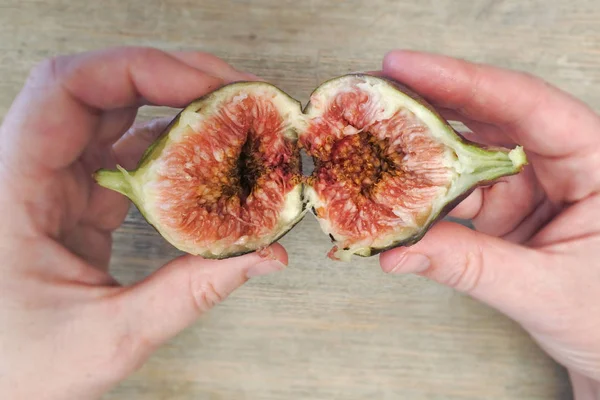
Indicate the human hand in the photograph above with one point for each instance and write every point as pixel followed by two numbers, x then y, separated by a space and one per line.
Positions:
pixel 535 252
pixel 67 329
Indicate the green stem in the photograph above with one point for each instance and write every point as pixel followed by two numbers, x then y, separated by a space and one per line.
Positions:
pixel 500 163
pixel 118 181
pixel 486 165
pixel 480 165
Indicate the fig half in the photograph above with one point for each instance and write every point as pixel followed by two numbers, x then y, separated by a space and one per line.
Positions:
pixel 387 165
pixel 225 178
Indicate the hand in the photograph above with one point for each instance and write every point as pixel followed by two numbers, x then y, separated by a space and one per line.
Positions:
pixel 67 329
pixel 536 249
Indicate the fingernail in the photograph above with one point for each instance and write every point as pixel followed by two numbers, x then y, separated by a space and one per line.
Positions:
pixel 267 253
pixel 265 267
pixel 411 263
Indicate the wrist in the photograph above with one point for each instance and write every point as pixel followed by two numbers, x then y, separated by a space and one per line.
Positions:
pixel 584 388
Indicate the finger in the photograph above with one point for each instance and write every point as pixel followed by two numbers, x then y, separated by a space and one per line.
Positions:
pixel 98 153
pixel 63 103
pixel 217 66
pixel 478 132
pixel 131 146
pixel 168 301
pixel 469 207
pixel 501 209
pixel 113 124
pixel 533 113
pixel 504 275
pixel 106 210
pixel 78 241
pixel 543 213
pixel 507 203
pixel 573 225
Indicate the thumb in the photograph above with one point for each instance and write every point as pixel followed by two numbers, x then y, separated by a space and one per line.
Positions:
pixel 172 298
pixel 504 275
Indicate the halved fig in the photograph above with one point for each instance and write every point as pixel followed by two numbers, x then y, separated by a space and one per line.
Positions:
pixel 225 177
pixel 387 165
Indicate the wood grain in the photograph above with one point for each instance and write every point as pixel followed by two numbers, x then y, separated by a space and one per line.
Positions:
pixel 322 330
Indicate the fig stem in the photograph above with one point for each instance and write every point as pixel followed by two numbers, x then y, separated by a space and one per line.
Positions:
pixel 504 163
pixel 490 164
pixel 118 181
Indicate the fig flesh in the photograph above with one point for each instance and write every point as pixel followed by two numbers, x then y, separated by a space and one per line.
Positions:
pixel 225 178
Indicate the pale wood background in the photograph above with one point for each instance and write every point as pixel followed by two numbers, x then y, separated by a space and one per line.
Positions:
pixel 322 330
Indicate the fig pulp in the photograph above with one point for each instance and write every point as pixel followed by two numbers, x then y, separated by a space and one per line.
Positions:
pixel 225 177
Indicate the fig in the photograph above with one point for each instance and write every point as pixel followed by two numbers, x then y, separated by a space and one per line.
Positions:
pixel 225 178
pixel 387 165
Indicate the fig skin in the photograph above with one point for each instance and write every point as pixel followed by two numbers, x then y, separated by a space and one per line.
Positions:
pixel 155 149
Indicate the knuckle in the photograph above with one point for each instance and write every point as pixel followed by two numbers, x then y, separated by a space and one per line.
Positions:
pixel 204 293
pixel 465 277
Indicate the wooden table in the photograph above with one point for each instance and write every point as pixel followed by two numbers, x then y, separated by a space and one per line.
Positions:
pixel 323 330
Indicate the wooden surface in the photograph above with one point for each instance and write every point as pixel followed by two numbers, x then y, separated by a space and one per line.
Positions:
pixel 323 330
